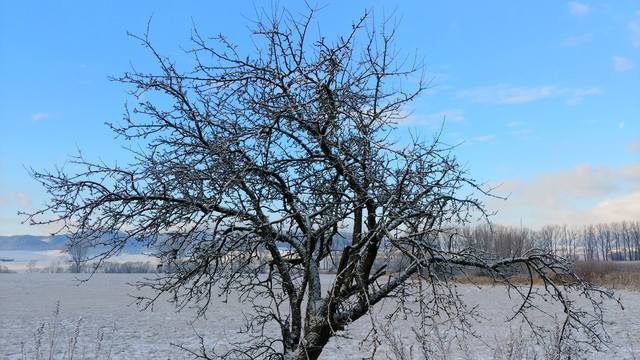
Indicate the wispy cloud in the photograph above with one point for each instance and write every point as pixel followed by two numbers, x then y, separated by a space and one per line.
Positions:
pixel 449 115
pixel 634 147
pixel 455 115
pixel 576 40
pixel 621 63
pixel 578 8
pixel 39 116
pixel 574 96
pixel 482 138
pixel 634 30
pixel 519 129
pixel 20 198
pixel 507 94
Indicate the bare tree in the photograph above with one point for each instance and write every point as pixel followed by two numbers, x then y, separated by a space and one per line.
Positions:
pixel 32 266
pixel 259 161
pixel 77 249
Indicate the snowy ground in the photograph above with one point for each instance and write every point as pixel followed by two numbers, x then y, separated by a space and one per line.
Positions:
pixel 105 310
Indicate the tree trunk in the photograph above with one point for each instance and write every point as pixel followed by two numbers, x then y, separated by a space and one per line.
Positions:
pixel 313 343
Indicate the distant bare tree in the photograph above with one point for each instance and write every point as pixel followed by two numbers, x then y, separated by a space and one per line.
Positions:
pixel 279 151
pixel 77 249
pixel 32 266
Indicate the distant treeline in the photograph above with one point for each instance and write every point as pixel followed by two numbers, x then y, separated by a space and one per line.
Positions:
pixel 109 267
pixel 618 241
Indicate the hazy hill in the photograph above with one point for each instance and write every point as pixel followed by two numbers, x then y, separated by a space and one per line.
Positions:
pixel 58 242
pixel 32 242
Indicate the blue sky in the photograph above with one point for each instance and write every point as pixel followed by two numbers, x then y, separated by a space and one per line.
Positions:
pixel 543 95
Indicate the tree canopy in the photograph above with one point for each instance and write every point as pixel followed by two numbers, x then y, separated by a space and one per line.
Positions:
pixel 250 167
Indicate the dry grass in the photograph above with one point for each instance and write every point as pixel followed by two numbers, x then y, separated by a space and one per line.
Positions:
pixel 52 341
pixel 487 280
pixel 610 274
pixel 438 343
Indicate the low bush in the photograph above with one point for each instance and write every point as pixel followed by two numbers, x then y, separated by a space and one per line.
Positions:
pixel 5 270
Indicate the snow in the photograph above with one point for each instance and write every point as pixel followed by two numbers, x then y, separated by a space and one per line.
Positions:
pixel 28 300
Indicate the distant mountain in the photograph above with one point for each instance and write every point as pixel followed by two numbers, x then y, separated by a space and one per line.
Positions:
pixel 56 242
pixel 33 243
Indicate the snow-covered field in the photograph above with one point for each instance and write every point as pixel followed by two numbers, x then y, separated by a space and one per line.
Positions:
pixel 103 310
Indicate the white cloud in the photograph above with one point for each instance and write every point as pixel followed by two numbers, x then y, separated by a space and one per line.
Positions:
pixel 39 116
pixel 482 138
pixel 519 129
pixel 618 208
pixel 522 132
pixel 634 147
pixel 574 96
pixel 580 195
pixel 507 94
pixel 634 29
pixel 20 198
pixel 621 63
pixel 577 8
